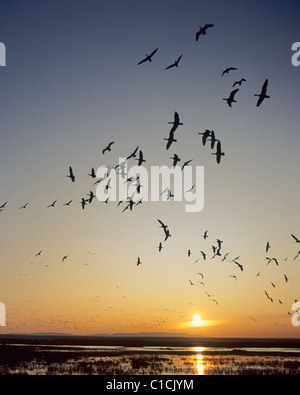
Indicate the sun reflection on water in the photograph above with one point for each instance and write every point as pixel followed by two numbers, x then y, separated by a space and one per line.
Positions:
pixel 199 361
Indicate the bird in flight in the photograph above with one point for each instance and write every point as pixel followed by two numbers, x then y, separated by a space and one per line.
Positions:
pixel 92 173
pixel 295 238
pixel 39 253
pixel 214 300
pixel 286 278
pixel 68 203
pixel 108 148
pixel 175 159
pixel 53 204
pixel 83 202
pixel 219 152
pixel 65 257
pixel 71 174
pixel 241 267
pixel 176 123
pixel 133 154
pixel 148 58
pixel 268 246
pixel 267 295
pixel 226 71
pixel 160 247
pixel 139 262
pixel 186 163
pixel 170 140
pixel 205 236
pixel 205 136
pixel 204 255
pixel 202 30
pixel 175 64
pixel 25 206
pixel 239 83
pixel 140 159
pixel 263 95
pixel 3 205
pixel 231 98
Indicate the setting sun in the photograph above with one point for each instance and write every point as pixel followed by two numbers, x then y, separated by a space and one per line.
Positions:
pixel 197 320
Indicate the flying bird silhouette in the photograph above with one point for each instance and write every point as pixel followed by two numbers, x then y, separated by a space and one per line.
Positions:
pixel 170 140
pixel 231 98
pixel 263 95
pixel 203 255
pixel 53 204
pixel 25 206
pixel 92 173
pixel 148 58
pixel 140 159
pixel 160 247
pixel 139 262
pixel 219 152
pixel 83 202
pixel 176 122
pixel 68 203
pixel 228 69
pixel 202 31
pixel 175 64
pixel 71 174
pixel 186 163
pixel 175 159
pixel 239 83
pixel 268 246
pixel 3 205
pixel 108 148
pixel 295 238
pixel 133 154
pixel 205 136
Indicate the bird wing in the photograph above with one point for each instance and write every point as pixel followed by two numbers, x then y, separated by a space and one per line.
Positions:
pixel 295 238
pixel 153 53
pixel 169 67
pixel 233 93
pixel 178 60
pixel 142 61
pixel 208 25
pixel 265 86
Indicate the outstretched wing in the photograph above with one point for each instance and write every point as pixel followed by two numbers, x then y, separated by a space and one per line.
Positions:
pixel 153 53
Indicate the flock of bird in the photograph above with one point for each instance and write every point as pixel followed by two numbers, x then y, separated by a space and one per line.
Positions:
pixel 231 99
pixel 217 253
pixel 137 154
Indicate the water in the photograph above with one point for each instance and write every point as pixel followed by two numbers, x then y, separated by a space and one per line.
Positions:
pixel 152 360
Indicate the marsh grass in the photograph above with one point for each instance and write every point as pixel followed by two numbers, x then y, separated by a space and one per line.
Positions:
pixel 18 360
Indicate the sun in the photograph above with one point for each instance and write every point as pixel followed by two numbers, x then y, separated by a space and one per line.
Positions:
pixel 197 319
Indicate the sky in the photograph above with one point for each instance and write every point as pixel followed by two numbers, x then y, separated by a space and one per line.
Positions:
pixel 70 86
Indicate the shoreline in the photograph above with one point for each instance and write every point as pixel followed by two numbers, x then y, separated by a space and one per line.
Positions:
pixel 148 341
